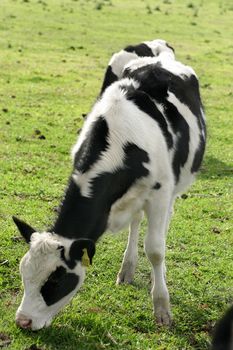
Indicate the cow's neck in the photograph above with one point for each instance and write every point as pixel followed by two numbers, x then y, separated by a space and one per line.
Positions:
pixel 79 216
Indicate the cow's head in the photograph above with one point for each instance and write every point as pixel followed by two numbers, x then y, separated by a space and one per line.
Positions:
pixel 52 271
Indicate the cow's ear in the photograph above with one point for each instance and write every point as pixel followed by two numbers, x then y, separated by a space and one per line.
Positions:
pixel 82 250
pixel 25 230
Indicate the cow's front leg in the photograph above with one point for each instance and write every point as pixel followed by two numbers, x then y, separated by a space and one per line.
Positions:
pixel 130 258
pixel 157 210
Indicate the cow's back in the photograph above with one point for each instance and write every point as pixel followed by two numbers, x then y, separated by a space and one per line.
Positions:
pixel 173 88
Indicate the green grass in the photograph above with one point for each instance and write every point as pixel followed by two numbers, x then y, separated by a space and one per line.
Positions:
pixel 52 61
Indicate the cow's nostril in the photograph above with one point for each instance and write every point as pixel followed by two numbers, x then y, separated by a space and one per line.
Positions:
pixel 24 323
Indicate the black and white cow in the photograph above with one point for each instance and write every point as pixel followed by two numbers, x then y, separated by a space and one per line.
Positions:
pixel 141 145
pixel 223 332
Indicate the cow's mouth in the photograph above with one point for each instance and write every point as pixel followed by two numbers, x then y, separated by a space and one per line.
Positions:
pixel 28 323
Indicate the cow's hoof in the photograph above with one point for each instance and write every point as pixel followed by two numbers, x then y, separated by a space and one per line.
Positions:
pixel 126 273
pixel 124 278
pixel 163 317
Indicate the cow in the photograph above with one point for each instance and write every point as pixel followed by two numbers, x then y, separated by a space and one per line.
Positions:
pixel 141 145
pixel 223 332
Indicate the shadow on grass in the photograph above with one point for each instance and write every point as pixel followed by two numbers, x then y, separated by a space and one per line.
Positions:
pixel 87 333
pixel 82 335
pixel 213 167
pixel 195 327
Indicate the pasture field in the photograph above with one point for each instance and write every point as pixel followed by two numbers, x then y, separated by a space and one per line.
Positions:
pixel 53 55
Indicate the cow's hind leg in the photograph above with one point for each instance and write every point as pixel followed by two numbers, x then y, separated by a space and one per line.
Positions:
pixel 157 211
pixel 130 258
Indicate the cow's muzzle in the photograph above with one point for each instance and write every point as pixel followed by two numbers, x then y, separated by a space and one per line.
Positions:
pixel 23 321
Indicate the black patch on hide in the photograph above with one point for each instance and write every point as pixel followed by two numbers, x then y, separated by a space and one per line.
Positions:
pixel 59 284
pixel 112 186
pixel 92 147
pixel 198 155
pixel 109 78
pixel 77 214
pixel 141 50
pixel 181 129
pixel 152 79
